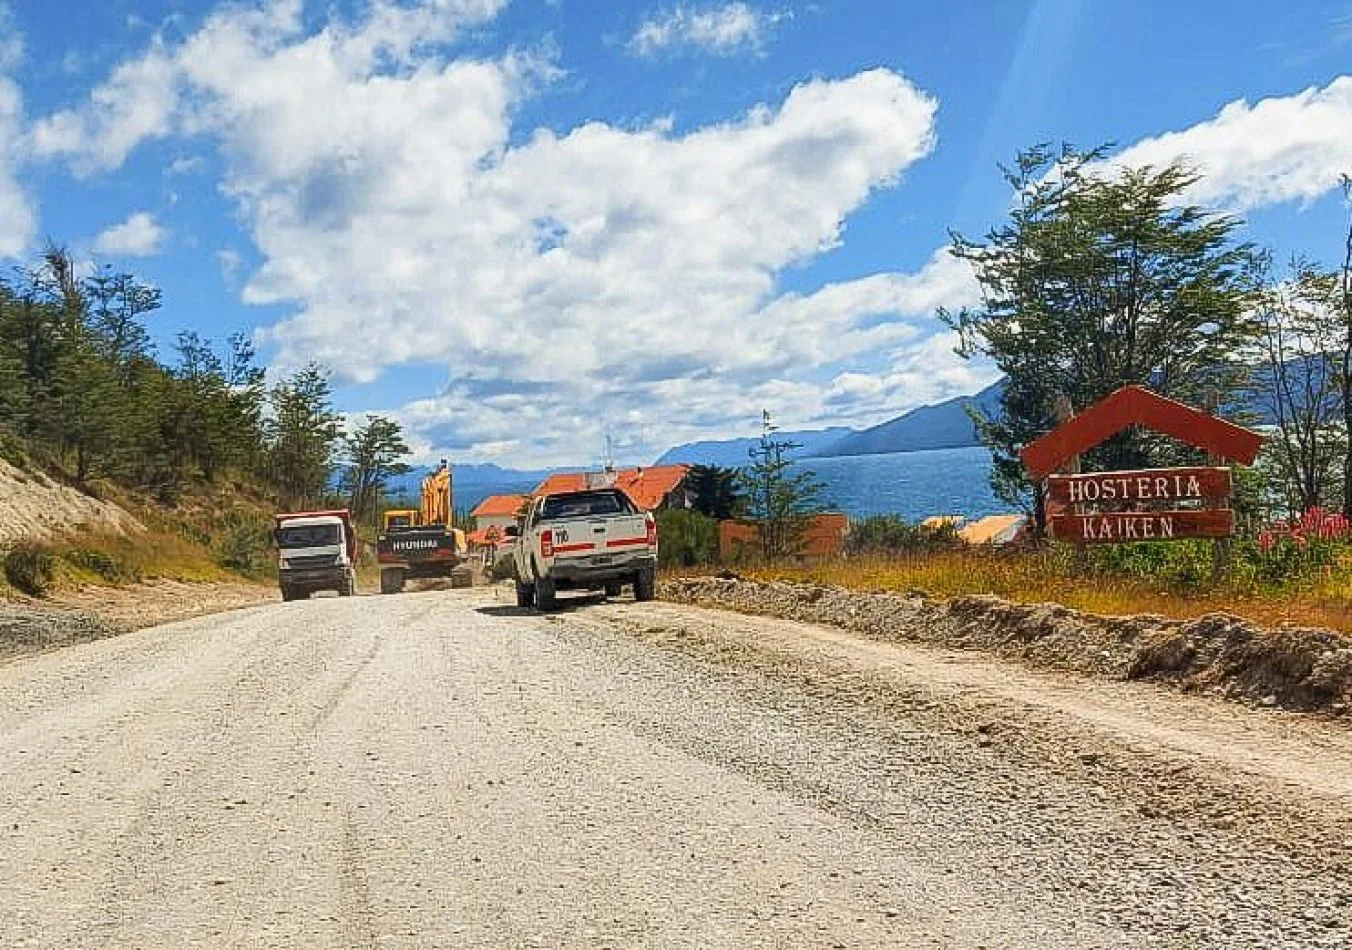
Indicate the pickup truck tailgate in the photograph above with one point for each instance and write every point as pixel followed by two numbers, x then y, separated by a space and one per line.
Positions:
pixel 600 539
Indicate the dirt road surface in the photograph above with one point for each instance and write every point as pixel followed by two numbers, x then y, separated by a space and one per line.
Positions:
pixel 442 770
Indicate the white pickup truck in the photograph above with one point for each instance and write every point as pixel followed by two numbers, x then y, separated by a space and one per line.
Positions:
pixel 583 540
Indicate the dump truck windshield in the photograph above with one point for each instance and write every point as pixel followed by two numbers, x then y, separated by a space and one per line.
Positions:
pixel 307 535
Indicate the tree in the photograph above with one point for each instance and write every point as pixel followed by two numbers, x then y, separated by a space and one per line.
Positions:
pixel 1298 381
pixel 779 500
pixel 375 451
pixel 302 436
pixel 1102 278
pixel 715 492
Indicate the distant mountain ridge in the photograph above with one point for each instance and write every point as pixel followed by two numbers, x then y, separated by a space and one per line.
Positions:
pixel 732 453
pixel 945 425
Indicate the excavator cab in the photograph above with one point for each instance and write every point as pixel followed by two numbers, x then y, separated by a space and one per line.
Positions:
pixel 397 518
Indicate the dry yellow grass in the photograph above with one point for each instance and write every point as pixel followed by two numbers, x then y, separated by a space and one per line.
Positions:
pixel 1031 578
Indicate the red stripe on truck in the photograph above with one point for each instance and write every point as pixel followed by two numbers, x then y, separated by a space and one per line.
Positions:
pixel 626 542
pixel 565 548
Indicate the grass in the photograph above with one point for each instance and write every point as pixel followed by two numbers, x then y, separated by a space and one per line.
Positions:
pixel 1037 577
pixel 116 560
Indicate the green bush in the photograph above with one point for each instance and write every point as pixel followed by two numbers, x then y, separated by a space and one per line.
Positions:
pixel 504 568
pixel 30 568
pixel 244 544
pixel 891 534
pixel 686 538
pixel 1189 565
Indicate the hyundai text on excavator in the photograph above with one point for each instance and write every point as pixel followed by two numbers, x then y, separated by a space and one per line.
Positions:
pixel 417 543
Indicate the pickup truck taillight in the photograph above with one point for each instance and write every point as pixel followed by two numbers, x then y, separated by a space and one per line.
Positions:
pixel 546 543
pixel 652 531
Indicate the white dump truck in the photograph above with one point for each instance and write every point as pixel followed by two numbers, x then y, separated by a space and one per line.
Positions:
pixel 583 540
pixel 317 550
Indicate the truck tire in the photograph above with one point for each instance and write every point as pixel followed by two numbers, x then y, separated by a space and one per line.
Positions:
pixel 391 580
pixel 349 587
pixel 525 595
pixel 613 590
pixel 645 584
pixel 288 594
pixel 545 598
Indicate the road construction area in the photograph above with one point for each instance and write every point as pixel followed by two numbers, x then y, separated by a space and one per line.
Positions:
pixel 444 769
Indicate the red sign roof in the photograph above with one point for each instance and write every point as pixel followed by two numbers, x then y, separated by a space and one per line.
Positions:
pixel 1136 405
pixel 648 487
pixel 499 506
pixel 485 537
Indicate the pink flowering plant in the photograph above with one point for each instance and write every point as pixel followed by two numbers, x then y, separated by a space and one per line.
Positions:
pixel 1315 545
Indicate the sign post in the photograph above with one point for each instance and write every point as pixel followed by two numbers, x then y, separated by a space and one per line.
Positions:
pixel 1163 504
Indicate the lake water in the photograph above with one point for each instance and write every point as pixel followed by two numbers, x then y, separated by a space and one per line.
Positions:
pixel 914 485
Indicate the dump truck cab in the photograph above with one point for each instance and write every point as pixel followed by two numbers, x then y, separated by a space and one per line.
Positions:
pixel 316 550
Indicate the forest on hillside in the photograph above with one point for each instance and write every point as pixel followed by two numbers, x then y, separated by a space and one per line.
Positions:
pixel 85 395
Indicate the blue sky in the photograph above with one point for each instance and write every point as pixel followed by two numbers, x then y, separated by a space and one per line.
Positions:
pixel 522 225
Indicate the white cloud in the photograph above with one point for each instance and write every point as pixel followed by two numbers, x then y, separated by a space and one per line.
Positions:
pixel 11 40
pixel 138 236
pixel 602 279
pixel 1275 150
pixel 16 207
pixel 186 165
pixel 230 262
pixel 728 29
pixel 135 104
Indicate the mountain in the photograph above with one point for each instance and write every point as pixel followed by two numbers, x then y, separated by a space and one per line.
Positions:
pixel 732 453
pixel 945 425
pixel 473 483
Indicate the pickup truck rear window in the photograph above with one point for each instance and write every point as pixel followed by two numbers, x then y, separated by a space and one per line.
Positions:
pixel 590 504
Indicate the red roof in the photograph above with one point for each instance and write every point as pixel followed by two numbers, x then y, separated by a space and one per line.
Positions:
pixel 1136 405
pixel 499 506
pixel 648 487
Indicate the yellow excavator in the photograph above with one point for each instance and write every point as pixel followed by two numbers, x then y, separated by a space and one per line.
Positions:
pixel 418 543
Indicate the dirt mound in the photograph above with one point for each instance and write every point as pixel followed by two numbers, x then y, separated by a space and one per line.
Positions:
pixel 1295 668
pixel 34 507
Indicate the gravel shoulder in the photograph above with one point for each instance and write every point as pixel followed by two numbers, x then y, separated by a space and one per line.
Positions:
pixel 442 769
pixel 70 617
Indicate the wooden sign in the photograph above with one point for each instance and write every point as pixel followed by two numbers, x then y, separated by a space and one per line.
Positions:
pixel 1140 486
pixel 1117 527
pixel 1117 507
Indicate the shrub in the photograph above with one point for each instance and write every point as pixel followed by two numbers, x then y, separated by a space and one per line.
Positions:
pixel 686 538
pixel 244 544
pixel 504 568
pixel 30 568
pixel 891 534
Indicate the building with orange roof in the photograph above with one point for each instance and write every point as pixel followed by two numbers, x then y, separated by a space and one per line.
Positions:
pixel 496 511
pixel 652 489
pixel 995 529
pixel 823 537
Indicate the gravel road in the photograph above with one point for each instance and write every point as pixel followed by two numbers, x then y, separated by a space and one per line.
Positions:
pixel 442 770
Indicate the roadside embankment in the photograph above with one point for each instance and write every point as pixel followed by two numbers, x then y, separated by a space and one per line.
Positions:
pixel 1295 668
